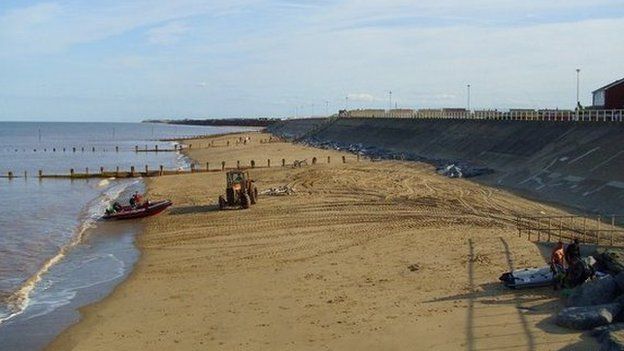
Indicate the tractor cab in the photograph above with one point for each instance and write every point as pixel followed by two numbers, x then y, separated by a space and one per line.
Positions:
pixel 240 190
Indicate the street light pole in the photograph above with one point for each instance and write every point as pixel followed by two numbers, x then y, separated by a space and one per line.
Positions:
pixel 468 88
pixel 578 86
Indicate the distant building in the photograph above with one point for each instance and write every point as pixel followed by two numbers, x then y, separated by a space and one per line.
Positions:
pixel 609 97
pixel 367 113
pixel 401 113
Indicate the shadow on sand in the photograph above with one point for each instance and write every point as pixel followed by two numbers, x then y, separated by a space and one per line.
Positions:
pixel 183 210
pixel 540 303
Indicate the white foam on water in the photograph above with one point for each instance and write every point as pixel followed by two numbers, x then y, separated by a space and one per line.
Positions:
pixel 20 300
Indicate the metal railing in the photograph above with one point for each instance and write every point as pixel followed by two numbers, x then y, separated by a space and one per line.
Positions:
pixel 516 115
pixel 599 230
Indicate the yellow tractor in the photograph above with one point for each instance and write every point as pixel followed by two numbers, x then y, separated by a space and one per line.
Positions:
pixel 240 190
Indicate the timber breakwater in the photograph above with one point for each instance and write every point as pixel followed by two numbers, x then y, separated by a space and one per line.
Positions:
pixel 575 164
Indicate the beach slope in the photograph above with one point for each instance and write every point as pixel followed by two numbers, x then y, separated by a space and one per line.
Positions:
pixel 364 255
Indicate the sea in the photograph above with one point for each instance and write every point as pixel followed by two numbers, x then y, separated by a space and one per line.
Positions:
pixel 56 255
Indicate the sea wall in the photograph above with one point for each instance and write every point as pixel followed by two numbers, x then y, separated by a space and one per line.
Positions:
pixel 575 164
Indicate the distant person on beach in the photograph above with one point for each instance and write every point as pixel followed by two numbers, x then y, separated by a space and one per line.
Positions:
pixel 557 265
pixel 573 251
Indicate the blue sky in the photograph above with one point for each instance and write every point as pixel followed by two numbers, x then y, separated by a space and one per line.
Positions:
pixel 130 60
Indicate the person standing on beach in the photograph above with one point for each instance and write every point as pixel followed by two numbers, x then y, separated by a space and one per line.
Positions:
pixel 557 265
pixel 573 251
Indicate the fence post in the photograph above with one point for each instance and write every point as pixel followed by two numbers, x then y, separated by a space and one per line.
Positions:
pixel 156 148
pixel 313 160
pixel 344 159
pixel 93 149
pixel 87 171
pixel 117 171
pixel 192 167
pixel 146 170
pixel 10 174
pixel 253 164
pixel 73 149
pixel 598 231
pixel 283 162
pixel 40 173
pixel 612 227
pixel 269 163
pixel 223 165
pixel 549 227
pixel 136 148
pixel 207 166
pixel 132 171
pixel 101 170
pixel 25 174
pixel 358 157
pixel 116 149
pixel 161 170
pixel 71 172
pixel 328 159
pixel 237 164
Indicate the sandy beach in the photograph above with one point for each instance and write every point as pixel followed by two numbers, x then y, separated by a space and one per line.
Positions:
pixel 365 255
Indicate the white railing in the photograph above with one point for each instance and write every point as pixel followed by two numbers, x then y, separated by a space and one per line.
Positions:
pixel 517 115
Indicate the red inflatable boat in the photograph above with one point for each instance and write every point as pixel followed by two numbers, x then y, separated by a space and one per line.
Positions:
pixel 145 210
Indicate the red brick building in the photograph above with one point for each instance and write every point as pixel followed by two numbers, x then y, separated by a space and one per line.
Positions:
pixel 610 97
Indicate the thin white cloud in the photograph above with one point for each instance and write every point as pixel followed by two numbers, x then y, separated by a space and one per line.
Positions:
pixel 169 33
pixel 361 97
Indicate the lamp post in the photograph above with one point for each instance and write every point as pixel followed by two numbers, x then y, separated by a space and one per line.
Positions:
pixel 468 96
pixel 578 86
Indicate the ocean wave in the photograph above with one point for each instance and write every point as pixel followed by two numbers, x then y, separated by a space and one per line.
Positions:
pixel 19 300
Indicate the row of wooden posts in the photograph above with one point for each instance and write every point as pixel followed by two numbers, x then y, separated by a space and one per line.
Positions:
pixel 601 229
pixel 156 148
pixel 176 147
pixel 161 170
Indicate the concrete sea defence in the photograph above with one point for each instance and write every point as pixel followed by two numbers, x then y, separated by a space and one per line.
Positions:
pixel 574 164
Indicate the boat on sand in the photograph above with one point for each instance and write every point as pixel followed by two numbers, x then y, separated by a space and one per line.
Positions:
pixel 145 210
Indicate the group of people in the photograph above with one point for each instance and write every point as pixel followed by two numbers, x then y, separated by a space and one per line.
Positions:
pixel 568 268
pixel 135 202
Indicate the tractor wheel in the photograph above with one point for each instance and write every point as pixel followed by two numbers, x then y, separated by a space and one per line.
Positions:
pixel 253 195
pixel 222 202
pixel 245 201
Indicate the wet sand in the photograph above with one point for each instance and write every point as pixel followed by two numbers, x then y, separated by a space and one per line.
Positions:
pixel 366 255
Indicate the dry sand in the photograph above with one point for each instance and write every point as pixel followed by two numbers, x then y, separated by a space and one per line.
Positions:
pixel 366 255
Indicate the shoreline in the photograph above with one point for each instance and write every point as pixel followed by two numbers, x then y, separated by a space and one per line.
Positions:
pixel 349 253
pixel 55 293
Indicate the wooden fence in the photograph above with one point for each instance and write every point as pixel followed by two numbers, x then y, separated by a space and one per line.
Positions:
pixel 599 230
pixel 85 173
